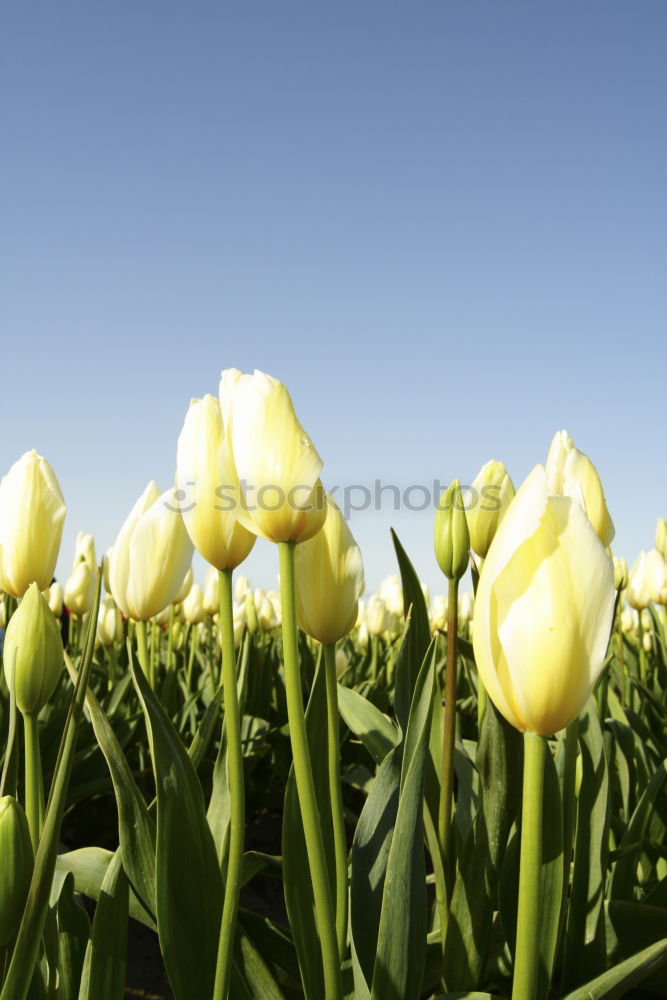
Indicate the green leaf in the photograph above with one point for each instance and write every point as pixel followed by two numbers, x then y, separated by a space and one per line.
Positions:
pixel 298 888
pixel 188 880
pixel 375 730
pixel 418 635
pixel 475 891
pixel 585 947
pixel 88 866
pixel 401 948
pixel 624 873
pixel 136 829
pixel 633 926
pixel 73 931
pixel 106 955
pixel 616 982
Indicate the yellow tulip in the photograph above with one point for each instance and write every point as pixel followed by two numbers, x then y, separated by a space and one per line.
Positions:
pixel 487 501
pixel 571 473
pixel 84 551
pixel 543 610
pixel 185 587
pixel 377 615
pixel 329 580
pixel 193 605
pixel 391 592
pixel 208 487
pixel 32 512
pixel 54 598
pixel 109 622
pixel 661 537
pixel 80 589
pixel 211 592
pixel 276 463
pixel 150 557
pixel 33 653
pixel 647 581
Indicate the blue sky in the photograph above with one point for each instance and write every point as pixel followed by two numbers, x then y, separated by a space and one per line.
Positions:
pixel 442 224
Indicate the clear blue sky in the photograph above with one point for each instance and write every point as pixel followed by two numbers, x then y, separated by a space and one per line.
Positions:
pixel 442 224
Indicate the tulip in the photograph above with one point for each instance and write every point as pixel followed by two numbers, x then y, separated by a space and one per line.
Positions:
pixel 275 462
pixel 211 592
pixel 184 588
pixel 439 613
pixel 487 501
pixel 629 620
pixel 80 589
pixel 241 588
pixel 33 653
pixel 451 536
pixel 84 551
pixel 109 622
pixel 661 537
pixel 391 592
pixel 239 619
pixel 571 473
pixel 16 867
pixel 466 606
pixel 376 615
pixel 329 580
pixel 620 573
pixel 32 512
pixel 151 555
pixel 54 598
pixel 543 610
pixel 647 581
pixel 193 605
pixel 207 480
pixel 342 663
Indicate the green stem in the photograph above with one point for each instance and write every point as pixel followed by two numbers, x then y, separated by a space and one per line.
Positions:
pixel 336 796
pixel 236 789
pixel 305 786
pixel 191 655
pixel 569 800
pixel 448 735
pixel 145 662
pixel 526 963
pixel 34 783
pixel 170 640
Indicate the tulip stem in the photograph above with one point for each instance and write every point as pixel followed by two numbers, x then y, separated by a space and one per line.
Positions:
pixel 526 962
pixel 336 796
pixel 145 662
pixel 191 655
pixel 34 783
pixel 236 789
pixel 448 736
pixel 303 774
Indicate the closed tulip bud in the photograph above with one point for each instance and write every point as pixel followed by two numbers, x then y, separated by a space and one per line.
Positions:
pixel 276 463
pixel 439 613
pixel 241 588
pixel 80 590
pixel 54 598
pixel 239 622
pixel 274 597
pixel 84 551
pixel 391 592
pixel 363 636
pixel 16 867
pixel 105 573
pixel 646 620
pixel 212 592
pixel 376 615
pixel 193 605
pixel 571 473
pixel 266 614
pixel 109 622
pixel 250 613
pixel 647 642
pixel 185 587
pixel 466 606
pixel 543 610
pixel 661 537
pixel 451 537
pixel 32 512
pixel 647 581
pixel 487 501
pixel 342 663
pixel 629 620
pixel 150 557
pixel 329 580
pixel 209 487
pixel 33 653
pixel 620 573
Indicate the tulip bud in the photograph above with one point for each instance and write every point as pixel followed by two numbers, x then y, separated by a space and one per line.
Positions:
pixel 16 867
pixel 661 537
pixel 275 462
pixel 54 598
pixel 241 588
pixel 105 573
pixel 239 622
pixel 543 611
pixel 250 614
pixel 487 501
pixel 363 637
pixel 629 620
pixel 150 557
pixel 80 589
pixel 376 615
pixel 647 642
pixel 342 663
pixel 84 551
pixel 33 653
pixel 647 581
pixel 466 606
pixel 185 587
pixel 391 592
pixel 620 573
pixel 571 473
pixel 109 622
pixel 329 580
pixel 439 613
pixel 193 605
pixel 451 537
pixel 32 512
pixel 212 592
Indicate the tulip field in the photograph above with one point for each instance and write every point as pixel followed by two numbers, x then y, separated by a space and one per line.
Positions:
pixel 317 793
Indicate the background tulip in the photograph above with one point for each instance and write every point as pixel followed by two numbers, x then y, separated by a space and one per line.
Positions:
pixel 490 495
pixel 16 867
pixel 329 580
pixel 647 581
pixel 543 610
pixel 79 591
pixel 33 653
pixel 206 477
pixel 193 605
pixel 84 551
pixel 109 622
pixel 32 513
pixel 151 555
pixel 275 461
pixel 54 598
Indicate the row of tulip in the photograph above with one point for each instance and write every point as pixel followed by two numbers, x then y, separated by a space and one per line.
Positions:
pixel 441 842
